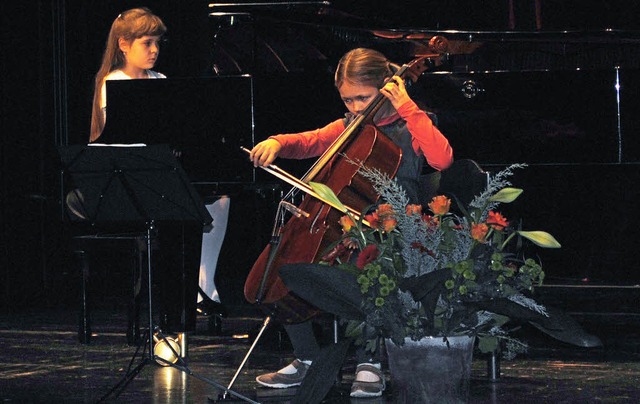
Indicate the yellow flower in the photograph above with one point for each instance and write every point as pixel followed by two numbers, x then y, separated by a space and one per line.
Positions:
pixel 347 223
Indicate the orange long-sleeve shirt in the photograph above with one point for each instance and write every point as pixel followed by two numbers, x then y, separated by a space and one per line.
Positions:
pixel 426 139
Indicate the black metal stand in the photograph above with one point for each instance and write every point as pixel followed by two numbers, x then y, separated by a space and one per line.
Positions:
pixel 148 344
pixel 137 185
pixel 148 352
pixel 493 366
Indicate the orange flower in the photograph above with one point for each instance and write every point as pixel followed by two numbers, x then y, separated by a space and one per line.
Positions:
pixel 497 221
pixel 385 209
pixel 347 223
pixel 373 219
pixel 439 205
pixel 383 218
pixel 389 223
pixel 414 209
pixel 479 231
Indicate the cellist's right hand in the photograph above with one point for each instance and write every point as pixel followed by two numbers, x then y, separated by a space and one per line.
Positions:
pixel 265 152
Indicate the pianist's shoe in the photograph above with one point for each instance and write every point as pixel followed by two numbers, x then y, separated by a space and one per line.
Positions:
pixel 208 307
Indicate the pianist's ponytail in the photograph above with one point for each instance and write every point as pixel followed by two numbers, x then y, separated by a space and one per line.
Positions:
pixel 129 25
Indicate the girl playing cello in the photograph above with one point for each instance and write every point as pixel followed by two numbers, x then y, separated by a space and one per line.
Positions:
pixel 360 76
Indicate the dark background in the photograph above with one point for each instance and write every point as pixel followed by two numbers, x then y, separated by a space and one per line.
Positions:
pixel 544 97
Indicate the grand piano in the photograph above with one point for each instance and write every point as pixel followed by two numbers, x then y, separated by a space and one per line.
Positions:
pixel 518 83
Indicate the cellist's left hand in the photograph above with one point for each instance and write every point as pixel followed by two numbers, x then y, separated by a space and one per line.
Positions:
pixel 395 91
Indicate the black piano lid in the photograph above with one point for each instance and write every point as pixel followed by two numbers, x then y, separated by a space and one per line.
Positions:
pixel 205 120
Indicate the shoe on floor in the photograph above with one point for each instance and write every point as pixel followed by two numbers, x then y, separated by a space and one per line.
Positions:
pixel 207 306
pixel 368 389
pixel 280 380
pixel 211 307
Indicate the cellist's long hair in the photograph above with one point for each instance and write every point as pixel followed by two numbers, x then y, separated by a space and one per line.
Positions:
pixel 364 66
pixel 129 25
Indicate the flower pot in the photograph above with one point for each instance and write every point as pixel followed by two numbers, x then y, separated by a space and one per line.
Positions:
pixel 430 370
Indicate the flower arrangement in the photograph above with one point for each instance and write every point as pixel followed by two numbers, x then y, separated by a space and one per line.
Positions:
pixel 439 273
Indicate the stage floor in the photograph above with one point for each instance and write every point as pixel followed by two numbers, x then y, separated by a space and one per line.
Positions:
pixel 42 361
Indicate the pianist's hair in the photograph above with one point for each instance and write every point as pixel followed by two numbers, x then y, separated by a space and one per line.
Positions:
pixel 129 25
pixel 365 67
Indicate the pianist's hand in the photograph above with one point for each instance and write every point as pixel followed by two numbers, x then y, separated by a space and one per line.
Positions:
pixel 265 152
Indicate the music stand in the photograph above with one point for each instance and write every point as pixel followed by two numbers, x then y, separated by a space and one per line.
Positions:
pixel 135 185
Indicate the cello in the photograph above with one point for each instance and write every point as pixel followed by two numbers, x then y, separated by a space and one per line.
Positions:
pixel 315 223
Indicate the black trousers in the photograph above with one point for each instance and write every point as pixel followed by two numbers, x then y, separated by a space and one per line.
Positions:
pixel 305 345
pixel 329 289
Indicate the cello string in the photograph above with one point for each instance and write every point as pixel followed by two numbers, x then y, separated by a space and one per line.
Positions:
pixel 297 183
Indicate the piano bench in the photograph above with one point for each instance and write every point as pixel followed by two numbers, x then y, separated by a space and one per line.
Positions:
pixel 135 244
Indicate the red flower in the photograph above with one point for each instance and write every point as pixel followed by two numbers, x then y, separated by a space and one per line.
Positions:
pixel 350 243
pixel 336 252
pixel 367 255
pixel 497 221
pixel 432 221
pixel 418 246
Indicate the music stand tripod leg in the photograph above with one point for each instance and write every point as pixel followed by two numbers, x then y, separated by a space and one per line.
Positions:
pixel 131 374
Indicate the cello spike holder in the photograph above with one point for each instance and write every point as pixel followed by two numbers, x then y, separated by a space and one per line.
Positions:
pixel 265 324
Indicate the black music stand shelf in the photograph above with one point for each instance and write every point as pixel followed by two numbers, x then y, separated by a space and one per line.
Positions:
pixel 132 185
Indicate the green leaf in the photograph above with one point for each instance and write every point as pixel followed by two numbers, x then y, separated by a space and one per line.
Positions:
pixel 506 195
pixel 541 238
pixel 371 345
pixel 565 328
pixel 499 319
pixel 487 344
pixel 354 328
pixel 327 194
